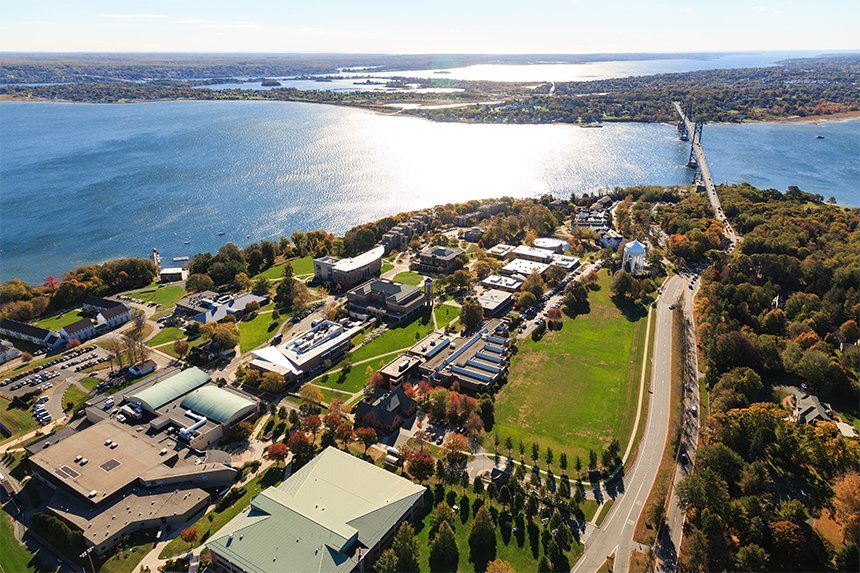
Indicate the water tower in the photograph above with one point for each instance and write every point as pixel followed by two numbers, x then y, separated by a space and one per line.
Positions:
pixel 634 257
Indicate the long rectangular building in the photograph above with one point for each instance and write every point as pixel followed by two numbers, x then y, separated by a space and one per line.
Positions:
pixel 349 272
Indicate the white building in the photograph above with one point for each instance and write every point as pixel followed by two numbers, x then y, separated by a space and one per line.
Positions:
pixel 532 254
pixel 523 268
pixel 509 284
pixel 550 244
pixel 173 274
pixel 349 272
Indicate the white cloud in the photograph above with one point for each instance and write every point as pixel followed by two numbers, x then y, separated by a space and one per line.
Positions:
pixel 133 16
pixel 759 9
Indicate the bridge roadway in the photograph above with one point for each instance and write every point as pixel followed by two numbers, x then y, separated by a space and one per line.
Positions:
pixel 699 152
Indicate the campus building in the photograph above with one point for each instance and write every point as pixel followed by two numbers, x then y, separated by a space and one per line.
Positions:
pixel 500 251
pixel 29 333
pixel 500 282
pixel 475 362
pixel 307 354
pixel 386 300
pixel 437 259
pixel 209 306
pixel 109 479
pixel 349 272
pixel 526 253
pixel 521 268
pixel 495 302
pixel 398 237
pixel 173 274
pixel 550 244
pixel 333 515
pixel 386 411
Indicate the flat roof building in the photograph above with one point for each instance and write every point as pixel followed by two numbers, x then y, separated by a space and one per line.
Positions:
pixel 349 272
pixel 500 251
pixel 509 284
pixel 332 515
pixel 566 262
pixel 173 274
pixel 495 302
pixel 307 353
pixel 523 268
pixel 550 244
pixel 527 253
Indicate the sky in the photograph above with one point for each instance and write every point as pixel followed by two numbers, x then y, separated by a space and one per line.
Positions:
pixel 428 26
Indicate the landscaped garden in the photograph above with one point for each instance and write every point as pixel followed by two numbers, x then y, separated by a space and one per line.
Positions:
pixel 577 388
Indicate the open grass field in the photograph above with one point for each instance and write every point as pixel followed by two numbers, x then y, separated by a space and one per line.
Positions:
pixel 393 339
pixel 165 335
pixel 522 553
pixel 207 528
pixel 14 557
pixel 329 395
pixel 445 313
pixel 90 383
pixel 253 333
pixel 577 388
pixel 58 321
pixel 301 266
pixel 17 420
pixel 163 295
pixel 409 278
pixel 386 266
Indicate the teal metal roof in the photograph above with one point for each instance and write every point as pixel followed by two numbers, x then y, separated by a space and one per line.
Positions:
pixel 309 522
pixel 217 404
pixel 172 388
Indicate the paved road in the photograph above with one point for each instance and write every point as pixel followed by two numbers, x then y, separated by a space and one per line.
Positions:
pixel 615 535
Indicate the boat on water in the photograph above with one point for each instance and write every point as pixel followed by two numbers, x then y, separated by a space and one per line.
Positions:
pixel 819 137
pixel 592 124
pixel 186 242
pixel 220 233
pixel 179 259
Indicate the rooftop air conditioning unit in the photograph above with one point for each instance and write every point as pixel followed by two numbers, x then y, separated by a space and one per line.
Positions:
pixel 78 458
pixel 92 494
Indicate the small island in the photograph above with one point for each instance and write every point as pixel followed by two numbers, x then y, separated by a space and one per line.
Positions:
pixel 270 83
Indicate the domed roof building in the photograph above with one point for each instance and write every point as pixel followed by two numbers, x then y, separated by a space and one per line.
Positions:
pixel 634 257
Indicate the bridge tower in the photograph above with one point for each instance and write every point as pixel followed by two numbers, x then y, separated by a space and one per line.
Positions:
pixel 682 131
pixel 697 135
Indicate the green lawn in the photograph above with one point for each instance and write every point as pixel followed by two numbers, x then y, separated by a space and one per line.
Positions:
pixel 58 321
pixel 165 335
pixel 576 389
pixel 329 395
pixel 519 556
pixel 90 383
pixel 356 378
pixel 74 394
pixel 127 557
pixel 409 278
pixel 14 557
pixel 255 332
pixel 395 339
pixel 163 295
pixel 386 266
pixel 301 266
pixel 445 313
pixel 207 528
pixel 18 420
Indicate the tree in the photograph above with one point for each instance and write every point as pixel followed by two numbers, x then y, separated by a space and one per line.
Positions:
pixel 456 448
pixel 405 546
pixel 311 424
pixel 421 465
pixel 367 437
pixel 554 275
pixel 562 461
pixel 189 535
pixel 199 283
pixel 471 313
pixel 482 539
pixel 387 562
pixel 344 432
pixel 535 284
pixel 241 431
pixel 526 300
pixel 444 554
pixel 284 290
pixel 441 514
pixel 242 281
pixel 181 347
pixel 302 448
pixel 703 489
pixel 474 425
pixel 846 501
pixel 261 287
pixel 311 395
pixel 500 566
pixel 273 382
pixel 278 451
pixel 224 335
pixel 623 286
pixel 544 565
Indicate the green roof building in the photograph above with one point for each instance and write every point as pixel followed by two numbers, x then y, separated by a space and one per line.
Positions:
pixel 168 390
pixel 332 515
pixel 218 404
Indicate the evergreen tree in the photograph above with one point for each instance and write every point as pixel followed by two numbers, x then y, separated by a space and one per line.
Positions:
pixel 444 554
pixel 387 562
pixel 482 539
pixel 405 546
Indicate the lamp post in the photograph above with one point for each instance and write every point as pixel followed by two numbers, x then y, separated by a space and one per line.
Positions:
pixel 88 553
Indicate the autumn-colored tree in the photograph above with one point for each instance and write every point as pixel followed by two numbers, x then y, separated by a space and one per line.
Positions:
pixel 301 446
pixel 420 465
pixel 846 501
pixel 180 347
pixel 500 566
pixel 189 535
pixel 311 395
pixel 273 382
pixel 474 425
pixel 456 449
pixel 367 437
pixel 344 432
pixel 278 451
pixel 312 424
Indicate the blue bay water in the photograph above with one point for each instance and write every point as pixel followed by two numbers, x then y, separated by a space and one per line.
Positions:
pixel 84 183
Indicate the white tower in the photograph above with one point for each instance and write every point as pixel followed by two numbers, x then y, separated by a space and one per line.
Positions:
pixel 428 292
pixel 634 257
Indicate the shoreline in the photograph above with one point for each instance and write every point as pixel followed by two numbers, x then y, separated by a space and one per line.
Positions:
pixel 394 111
